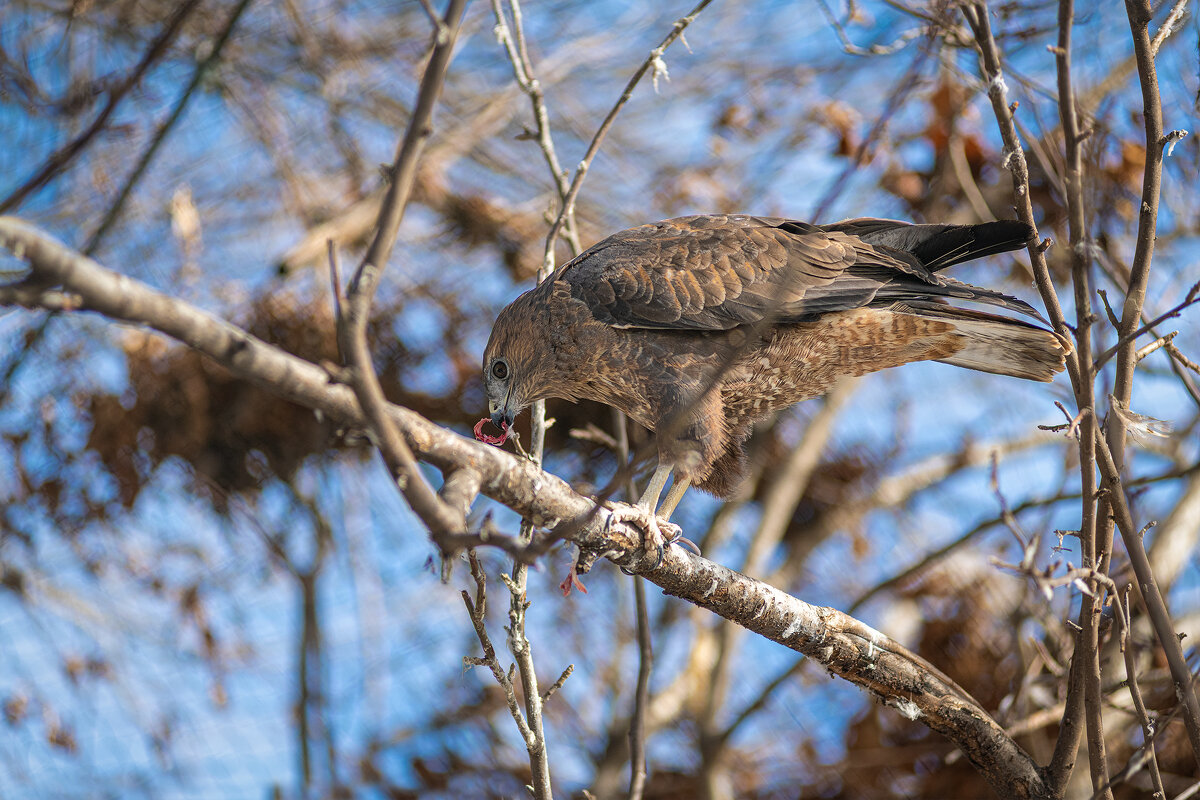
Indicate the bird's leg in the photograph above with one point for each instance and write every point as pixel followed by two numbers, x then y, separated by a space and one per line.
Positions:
pixel 658 480
pixel 667 508
pixel 673 497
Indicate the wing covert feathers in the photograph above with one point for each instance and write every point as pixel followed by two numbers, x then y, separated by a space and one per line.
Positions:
pixel 721 271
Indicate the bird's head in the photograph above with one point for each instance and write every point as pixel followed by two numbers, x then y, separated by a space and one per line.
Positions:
pixel 516 362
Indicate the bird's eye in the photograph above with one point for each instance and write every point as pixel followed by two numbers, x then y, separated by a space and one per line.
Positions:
pixel 499 370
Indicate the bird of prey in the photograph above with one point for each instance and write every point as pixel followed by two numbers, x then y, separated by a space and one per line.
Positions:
pixel 698 327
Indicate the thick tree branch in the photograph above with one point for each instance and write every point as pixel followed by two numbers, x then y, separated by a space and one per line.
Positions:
pixel 862 655
pixel 842 644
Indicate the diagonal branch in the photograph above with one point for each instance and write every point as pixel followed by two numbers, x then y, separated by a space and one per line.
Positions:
pixel 1193 297
pixel 441 519
pixel 518 56
pixel 842 644
pixel 164 130
pixel 977 17
pixel 653 60
pixel 403 173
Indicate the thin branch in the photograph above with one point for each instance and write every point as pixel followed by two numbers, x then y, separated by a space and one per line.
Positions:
pixel 850 47
pixel 403 172
pixel 1084 677
pixel 1135 692
pixel 1139 13
pixel 1191 299
pixel 518 56
pixel 977 15
pixel 440 29
pixel 652 60
pixel 641 697
pixel 1178 367
pixel 477 612
pixel 641 694
pixel 1182 359
pixel 439 517
pixel 1152 598
pixel 898 94
pixel 1160 342
pixel 352 338
pixel 518 645
pixel 1169 26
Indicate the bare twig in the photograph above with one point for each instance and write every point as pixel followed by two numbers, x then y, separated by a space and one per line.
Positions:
pixel 1084 677
pixel 1135 693
pixel 641 698
pixel 1169 26
pixel 518 55
pixel 641 695
pixel 977 15
pixel 403 172
pixel 352 326
pixel 558 684
pixel 1191 299
pixel 897 96
pixel 1161 341
pixel 518 644
pixel 1152 598
pixel 652 60
pixel 477 611
pixel 1178 367
pixel 441 29
pixel 352 338
pixel 850 47
pixel 1139 13
pixel 1182 359
pixel 165 128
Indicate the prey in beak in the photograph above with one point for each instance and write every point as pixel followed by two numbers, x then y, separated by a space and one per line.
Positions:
pixel 487 438
pixel 502 418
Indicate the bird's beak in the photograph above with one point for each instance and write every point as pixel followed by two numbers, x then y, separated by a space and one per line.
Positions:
pixel 502 414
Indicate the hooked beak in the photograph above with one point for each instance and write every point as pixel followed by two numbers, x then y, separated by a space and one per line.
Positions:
pixel 502 415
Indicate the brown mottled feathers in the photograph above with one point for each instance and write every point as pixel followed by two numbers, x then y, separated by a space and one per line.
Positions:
pixel 718 272
pixel 697 327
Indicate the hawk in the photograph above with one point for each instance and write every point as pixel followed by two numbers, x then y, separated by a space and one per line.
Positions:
pixel 698 327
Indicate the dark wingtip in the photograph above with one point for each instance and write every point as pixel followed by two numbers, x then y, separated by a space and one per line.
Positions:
pixel 968 242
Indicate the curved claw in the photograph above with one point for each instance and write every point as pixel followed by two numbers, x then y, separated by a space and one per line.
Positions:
pixel 659 534
pixel 681 540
